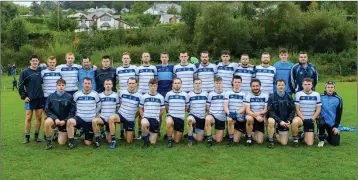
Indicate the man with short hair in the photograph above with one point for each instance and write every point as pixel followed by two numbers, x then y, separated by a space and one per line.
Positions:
pixel 125 72
pixel 206 72
pixel 69 73
pixel 266 74
pixel 126 114
pixel 30 90
pixel 226 70
pixel 308 107
pixel 246 72
pixel 281 110
pixel 151 107
pixel 217 115
pixel 176 103
pixel 235 110
pixel 256 108
pixel 145 73
pixel 109 106
pixel 60 108
pixel 283 70
pixel 185 71
pixel 331 114
pixel 165 77
pixel 88 104
pixel 106 72
pixel 197 112
pixel 86 71
pixel 302 70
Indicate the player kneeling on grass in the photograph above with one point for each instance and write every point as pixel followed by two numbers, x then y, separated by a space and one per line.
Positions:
pixel 216 115
pixel 109 104
pixel 129 102
pixel 60 107
pixel 87 105
pixel 197 112
pixel 308 107
pixel 235 110
pixel 281 109
pixel 256 108
pixel 176 104
pixel 150 108
pixel 332 108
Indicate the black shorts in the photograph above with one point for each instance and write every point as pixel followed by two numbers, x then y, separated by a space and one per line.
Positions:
pixel 45 100
pixel 35 104
pixel 60 128
pixel 127 125
pixel 281 128
pixel 87 127
pixel 178 124
pixel 153 125
pixel 259 126
pixel 71 92
pixel 308 125
pixel 240 126
pixel 105 123
pixel 219 125
pixel 199 122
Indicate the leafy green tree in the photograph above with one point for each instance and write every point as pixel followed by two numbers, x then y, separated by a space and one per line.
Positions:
pixel 64 23
pixel 8 11
pixel 140 6
pixel 36 8
pixel 190 11
pixel 172 10
pixel 17 34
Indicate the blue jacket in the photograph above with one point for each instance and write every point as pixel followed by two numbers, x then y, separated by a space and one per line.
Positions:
pixel 298 73
pixel 283 71
pixel 332 108
pixel 82 73
pixel 60 107
pixel 281 108
pixel 30 84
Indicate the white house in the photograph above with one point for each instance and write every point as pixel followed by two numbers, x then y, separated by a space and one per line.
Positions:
pixel 158 9
pixel 103 21
pixel 106 10
pixel 169 18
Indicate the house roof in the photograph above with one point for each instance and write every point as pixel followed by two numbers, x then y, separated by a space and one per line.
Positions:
pixel 77 15
pixel 164 7
pixel 116 16
pixel 105 24
pixel 98 14
pixel 83 26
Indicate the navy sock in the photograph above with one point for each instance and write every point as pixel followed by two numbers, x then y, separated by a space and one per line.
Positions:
pixel 72 140
pixel 145 137
pixel 122 131
pixel 113 137
pixel 295 138
pixel 27 135
pixel 270 139
pixel 36 134
pixel 210 137
pixel 49 139
pixel 231 137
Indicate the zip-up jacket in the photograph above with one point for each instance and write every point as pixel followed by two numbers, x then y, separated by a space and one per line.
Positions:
pixel 101 75
pixel 60 107
pixel 283 71
pixel 30 84
pixel 332 108
pixel 298 73
pixel 281 108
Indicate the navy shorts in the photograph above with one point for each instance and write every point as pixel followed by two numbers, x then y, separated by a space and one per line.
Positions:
pixel 87 127
pixel 240 126
pixel 281 128
pixel 219 125
pixel 178 124
pixel 153 125
pixel 105 123
pixel 259 126
pixel 35 104
pixel 199 122
pixel 308 125
pixel 127 125
pixel 60 128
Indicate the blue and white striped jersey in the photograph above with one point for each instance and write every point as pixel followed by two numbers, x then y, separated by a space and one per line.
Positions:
pixel 49 79
pixel 129 104
pixel 235 100
pixel 177 102
pixel 257 103
pixel 246 74
pixel 186 74
pixel 70 75
pixel 207 74
pixel 267 76
pixel 216 102
pixel 109 104
pixel 87 105
pixel 152 105
pixel 197 103
pixel 124 73
pixel 308 103
pixel 226 72
pixel 144 74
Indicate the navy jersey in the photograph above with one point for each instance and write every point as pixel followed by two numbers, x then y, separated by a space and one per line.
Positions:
pixel 165 77
pixel 30 84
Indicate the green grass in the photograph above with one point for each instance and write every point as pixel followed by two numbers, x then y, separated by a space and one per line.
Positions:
pixel 31 161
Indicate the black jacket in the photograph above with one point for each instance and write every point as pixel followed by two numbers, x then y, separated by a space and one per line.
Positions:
pixel 281 108
pixel 60 107
pixel 101 75
pixel 30 84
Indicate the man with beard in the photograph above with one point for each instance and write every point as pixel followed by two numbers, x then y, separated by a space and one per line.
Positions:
pixel 266 74
pixel 246 72
pixel 206 72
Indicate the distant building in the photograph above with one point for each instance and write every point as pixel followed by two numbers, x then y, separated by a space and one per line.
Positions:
pixel 103 21
pixel 125 10
pixel 158 9
pixel 169 18
pixel 106 10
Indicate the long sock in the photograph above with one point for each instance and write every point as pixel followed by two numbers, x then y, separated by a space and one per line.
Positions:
pixel 36 134
pixel 49 139
pixel 145 137
pixel 249 139
pixel 295 139
pixel 72 140
pixel 122 131
pixel 210 137
pixel 190 136
pixel 271 139
pixel 27 135
pixel 96 136
pixel 231 137
pixel 113 137
pixel 170 138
